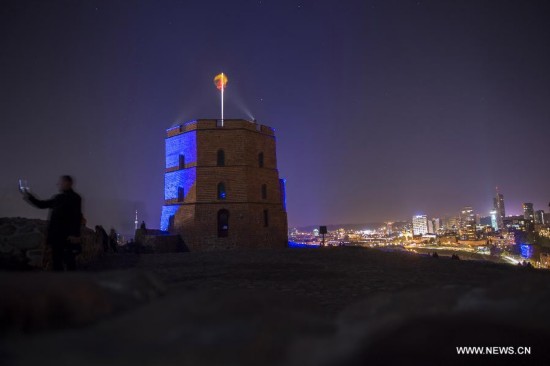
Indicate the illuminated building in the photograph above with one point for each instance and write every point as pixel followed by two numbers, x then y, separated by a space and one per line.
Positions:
pixel 420 224
pixel 528 212
pixel 433 226
pixel 498 204
pixel 222 188
pixel 452 223
pixel 430 227
pixel 468 224
pixel 540 217
pixel 436 224
pixel 389 228
pixel 494 220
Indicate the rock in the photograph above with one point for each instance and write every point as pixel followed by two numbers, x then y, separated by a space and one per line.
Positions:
pixel 432 322
pixel 31 302
pixel 22 245
pixel 26 241
pixel 36 257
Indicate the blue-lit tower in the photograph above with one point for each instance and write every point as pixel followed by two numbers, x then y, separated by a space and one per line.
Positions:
pixel 222 188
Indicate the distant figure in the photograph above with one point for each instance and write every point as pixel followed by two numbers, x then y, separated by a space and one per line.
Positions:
pixel 435 255
pixel 143 227
pixel 455 257
pixel 63 234
pixel 113 239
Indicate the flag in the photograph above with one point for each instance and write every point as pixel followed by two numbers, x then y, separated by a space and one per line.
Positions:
pixel 220 81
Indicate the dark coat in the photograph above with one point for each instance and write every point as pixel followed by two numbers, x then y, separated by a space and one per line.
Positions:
pixel 65 216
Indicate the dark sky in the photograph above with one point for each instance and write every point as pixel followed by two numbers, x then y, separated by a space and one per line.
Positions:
pixel 382 109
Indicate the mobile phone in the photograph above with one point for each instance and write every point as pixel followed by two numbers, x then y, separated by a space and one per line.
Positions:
pixel 23 186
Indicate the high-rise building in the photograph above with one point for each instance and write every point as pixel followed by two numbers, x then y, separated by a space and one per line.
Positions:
pixel 452 223
pixel 436 224
pixel 540 217
pixel 494 220
pixel 468 224
pixel 528 212
pixel 498 204
pixel 467 216
pixel 389 228
pixel 222 188
pixel 431 227
pixel 420 224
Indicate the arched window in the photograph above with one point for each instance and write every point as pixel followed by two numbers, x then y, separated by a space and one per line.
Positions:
pixel 261 160
pixel 221 191
pixel 221 157
pixel 181 194
pixel 182 161
pixel 264 191
pixel 266 218
pixel 223 223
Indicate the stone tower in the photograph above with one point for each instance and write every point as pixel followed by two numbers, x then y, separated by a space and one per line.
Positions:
pixel 222 188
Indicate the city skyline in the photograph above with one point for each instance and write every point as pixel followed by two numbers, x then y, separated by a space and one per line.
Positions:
pixel 382 109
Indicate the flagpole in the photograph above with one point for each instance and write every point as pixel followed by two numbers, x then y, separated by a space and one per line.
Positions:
pixel 220 80
pixel 222 97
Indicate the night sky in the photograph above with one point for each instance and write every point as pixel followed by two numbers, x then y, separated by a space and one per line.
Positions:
pixel 382 109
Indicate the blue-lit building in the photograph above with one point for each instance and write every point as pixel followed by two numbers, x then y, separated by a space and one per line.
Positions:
pixel 222 188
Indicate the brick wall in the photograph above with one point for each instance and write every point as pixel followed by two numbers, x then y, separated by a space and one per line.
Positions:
pixel 196 219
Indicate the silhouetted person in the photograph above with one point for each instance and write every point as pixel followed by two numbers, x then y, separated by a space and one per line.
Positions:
pixel 435 255
pixel 143 226
pixel 113 239
pixel 64 222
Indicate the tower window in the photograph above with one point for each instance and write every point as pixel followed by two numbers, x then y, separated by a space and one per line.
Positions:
pixel 264 191
pixel 181 194
pixel 223 223
pixel 221 158
pixel 261 160
pixel 266 218
pixel 182 161
pixel 221 191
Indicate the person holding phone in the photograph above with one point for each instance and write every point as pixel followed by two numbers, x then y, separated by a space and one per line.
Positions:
pixel 63 235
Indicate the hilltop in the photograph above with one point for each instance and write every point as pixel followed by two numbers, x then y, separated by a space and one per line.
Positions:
pixel 326 306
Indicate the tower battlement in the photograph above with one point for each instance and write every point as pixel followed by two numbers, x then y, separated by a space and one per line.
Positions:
pixel 206 124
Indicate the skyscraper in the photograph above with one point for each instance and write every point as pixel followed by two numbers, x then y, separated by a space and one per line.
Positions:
pixel 436 222
pixel 420 224
pixel 494 221
pixel 528 212
pixel 498 203
pixel 540 217
pixel 468 224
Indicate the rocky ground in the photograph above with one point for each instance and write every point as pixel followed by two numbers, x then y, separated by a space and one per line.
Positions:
pixel 325 306
pixel 22 245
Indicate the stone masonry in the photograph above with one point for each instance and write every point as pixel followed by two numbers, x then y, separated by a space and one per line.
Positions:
pixel 253 196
